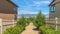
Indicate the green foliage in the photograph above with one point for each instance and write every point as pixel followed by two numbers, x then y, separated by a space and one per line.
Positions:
pixel 19 27
pixel 45 29
pixel 13 30
pixel 22 21
pixel 31 19
pixel 39 20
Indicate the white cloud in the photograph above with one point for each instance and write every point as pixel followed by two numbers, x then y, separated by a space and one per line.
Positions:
pixel 39 3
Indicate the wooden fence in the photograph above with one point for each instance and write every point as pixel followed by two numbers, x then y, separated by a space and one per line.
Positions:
pixel 5 23
pixel 53 22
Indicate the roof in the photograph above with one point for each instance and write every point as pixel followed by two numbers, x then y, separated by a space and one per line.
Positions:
pixel 12 3
pixel 51 2
pixel 54 2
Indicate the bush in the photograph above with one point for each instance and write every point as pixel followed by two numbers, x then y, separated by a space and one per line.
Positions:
pixel 22 21
pixel 44 28
pixel 39 20
pixel 31 19
pixel 13 30
pixel 48 30
pixel 57 31
pixel 19 27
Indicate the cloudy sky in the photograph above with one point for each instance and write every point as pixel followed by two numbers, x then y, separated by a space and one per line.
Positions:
pixel 32 6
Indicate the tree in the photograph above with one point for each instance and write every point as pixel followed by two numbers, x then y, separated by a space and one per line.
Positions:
pixel 39 20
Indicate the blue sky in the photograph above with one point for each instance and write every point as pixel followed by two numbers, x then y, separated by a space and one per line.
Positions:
pixel 32 6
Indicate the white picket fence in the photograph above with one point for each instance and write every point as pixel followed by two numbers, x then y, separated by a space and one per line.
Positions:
pixel 5 23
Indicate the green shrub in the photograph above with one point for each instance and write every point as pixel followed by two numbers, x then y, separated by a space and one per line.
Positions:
pixel 44 28
pixel 57 31
pixel 18 28
pixel 39 20
pixel 13 30
pixel 48 30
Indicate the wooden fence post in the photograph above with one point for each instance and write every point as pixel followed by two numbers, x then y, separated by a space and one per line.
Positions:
pixel 13 23
pixel 1 25
pixel 56 22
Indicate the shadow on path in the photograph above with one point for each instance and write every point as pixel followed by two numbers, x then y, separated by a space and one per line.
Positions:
pixel 36 29
pixel 30 29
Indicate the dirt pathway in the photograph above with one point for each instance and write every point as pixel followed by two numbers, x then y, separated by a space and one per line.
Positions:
pixel 30 29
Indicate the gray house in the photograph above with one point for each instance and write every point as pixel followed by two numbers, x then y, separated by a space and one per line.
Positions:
pixel 54 14
pixel 54 9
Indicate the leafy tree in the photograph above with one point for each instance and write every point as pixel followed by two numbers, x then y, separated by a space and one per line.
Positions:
pixel 21 21
pixel 39 20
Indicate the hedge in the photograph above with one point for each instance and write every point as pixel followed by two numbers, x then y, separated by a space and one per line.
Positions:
pixel 48 30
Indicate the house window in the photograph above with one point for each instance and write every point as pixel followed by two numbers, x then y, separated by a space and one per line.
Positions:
pixel 15 8
pixel 53 8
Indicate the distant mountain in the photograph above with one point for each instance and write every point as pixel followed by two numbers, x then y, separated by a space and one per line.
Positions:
pixel 28 15
pixel 32 15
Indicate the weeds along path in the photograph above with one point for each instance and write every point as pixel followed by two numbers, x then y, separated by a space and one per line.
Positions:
pixel 30 29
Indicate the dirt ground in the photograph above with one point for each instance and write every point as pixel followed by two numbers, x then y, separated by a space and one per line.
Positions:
pixel 30 29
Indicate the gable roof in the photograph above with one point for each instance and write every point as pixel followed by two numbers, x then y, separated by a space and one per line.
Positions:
pixel 51 2
pixel 54 2
pixel 12 3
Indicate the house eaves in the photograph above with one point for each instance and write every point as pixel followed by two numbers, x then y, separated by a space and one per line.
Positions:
pixel 54 2
pixel 51 3
pixel 12 3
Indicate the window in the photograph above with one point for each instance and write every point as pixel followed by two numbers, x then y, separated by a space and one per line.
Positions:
pixel 15 8
pixel 53 8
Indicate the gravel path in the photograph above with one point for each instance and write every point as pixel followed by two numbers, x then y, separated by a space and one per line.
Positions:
pixel 30 29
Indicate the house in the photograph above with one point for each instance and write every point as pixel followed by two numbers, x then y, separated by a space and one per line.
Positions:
pixel 54 14
pixel 8 14
pixel 8 10
pixel 54 9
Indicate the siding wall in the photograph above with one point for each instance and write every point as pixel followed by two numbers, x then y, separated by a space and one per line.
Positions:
pixel 6 23
pixel 52 21
pixel 57 12
pixel 52 14
pixel 7 16
pixel 7 10
pixel 7 7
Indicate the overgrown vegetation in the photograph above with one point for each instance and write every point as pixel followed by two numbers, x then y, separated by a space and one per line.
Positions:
pixel 45 29
pixel 39 20
pixel 19 27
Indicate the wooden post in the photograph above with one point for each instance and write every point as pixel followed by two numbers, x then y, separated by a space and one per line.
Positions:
pixel 1 25
pixel 56 23
pixel 49 12
pixel 13 23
